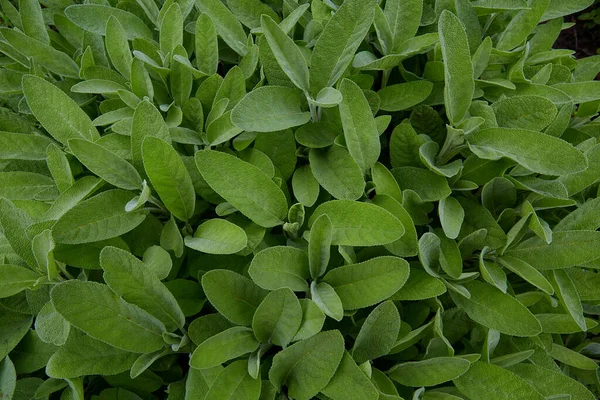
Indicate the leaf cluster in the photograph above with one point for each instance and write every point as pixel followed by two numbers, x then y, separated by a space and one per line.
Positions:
pixel 293 199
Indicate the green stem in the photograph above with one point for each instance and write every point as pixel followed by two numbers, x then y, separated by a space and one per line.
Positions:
pixel 64 271
pixel 385 77
pixel 313 111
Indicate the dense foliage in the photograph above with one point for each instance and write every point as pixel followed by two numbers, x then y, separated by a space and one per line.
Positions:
pixel 347 200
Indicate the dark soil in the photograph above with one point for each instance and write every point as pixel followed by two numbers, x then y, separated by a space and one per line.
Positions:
pixel 582 38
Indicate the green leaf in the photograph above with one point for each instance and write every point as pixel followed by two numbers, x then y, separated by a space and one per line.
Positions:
pixel 568 249
pixel 336 46
pixel 277 318
pixel 305 186
pixel 479 218
pixel 579 181
pixel 247 188
pixel 540 112
pixel 350 383
pixel 229 344
pixel 317 135
pixel 572 358
pixel 33 20
pixel 319 246
pixel 129 277
pixel 359 224
pixel 93 18
pixel 13 327
pixel 312 320
pixel 420 285
pixel 327 97
pixel 50 326
pixel 280 267
pixel 269 109
pixel 378 334
pixel 535 151
pixel 286 52
pixel 227 25
pixel 43 246
pixel 569 297
pixel 306 367
pixel 360 129
pixel 102 86
pixel 8 378
pixel 14 223
pixel 406 246
pixel 551 383
pixel 207 326
pixel 234 296
pixel 222 129
pixel 83 355
pixel 562 323
pixel 385 183
pixel 17 185
pixel 171 29
pixel 404 146
pixel 217 236
pixel 15 279
pixel 106 164
pixel 327 300
pixel 403 96
pixel 526 272
pixel 41 53
pixel 206 45
pixel 496 310
pixel 117 47
pixel 369 282
pixel 430 372
pixel 18 146
pixel 234 382
pixel 521 25
pixel 169 177
pixel 404 18
pixel 451 216
pixel 488 381
pixel 147 122
pixel 124 325
pixel 337 172
pixel 427 184
pixel 57 112
pixel 98 218
pixel 458 69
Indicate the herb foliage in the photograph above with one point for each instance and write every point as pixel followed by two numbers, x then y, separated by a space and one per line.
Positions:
pixel 293 199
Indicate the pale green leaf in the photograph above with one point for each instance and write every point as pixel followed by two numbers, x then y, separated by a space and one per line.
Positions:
pixel 535 151
pixel 359 224
pixel 496 310
pixel 224 346
pixel 370 282
pixel 106 164
pixel 269 109
pixel 306 367
pixel 247 188
pixel 458 69
pixel 337 172
pixel 336 46
pixel 234 296
pixel 217 236
pixel 429 372
pixel 131 279
pixel 123 325
pixel 360 129
pixel 100 217
pixel 489 381
pixel 277 318
pixel 56 111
